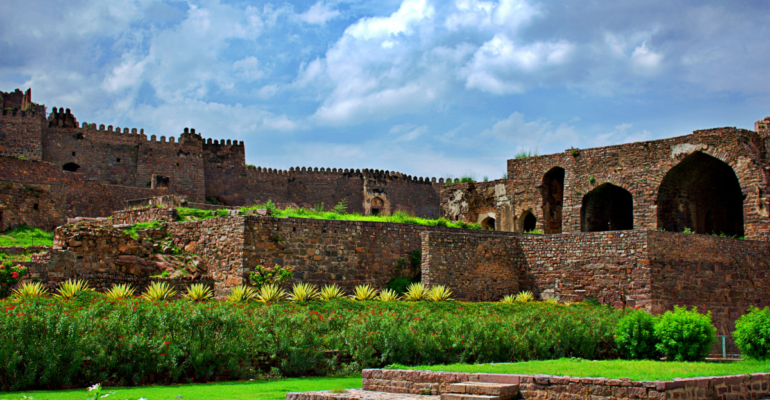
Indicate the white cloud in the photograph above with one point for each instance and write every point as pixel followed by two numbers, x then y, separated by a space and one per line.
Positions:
pixel 247 69
pixel 537 135
pixel 318 14
pixel 646 60
pixel 407 132
pixel 409 14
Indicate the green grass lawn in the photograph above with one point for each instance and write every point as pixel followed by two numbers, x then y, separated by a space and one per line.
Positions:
pixel 263 390
pixel 636 370
pixel 25 236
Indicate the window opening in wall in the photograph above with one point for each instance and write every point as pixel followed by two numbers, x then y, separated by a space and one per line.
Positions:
pixel 117 160
pixel 71 167
pixel 35 206
pixel 73 154
pixel 529 222
pixel 702 194
pixel 177 164
pixel 607 208
pixel 553 197
pixel 377 205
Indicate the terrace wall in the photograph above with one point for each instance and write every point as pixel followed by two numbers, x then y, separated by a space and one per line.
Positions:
pixel 543 387
pixel 36 205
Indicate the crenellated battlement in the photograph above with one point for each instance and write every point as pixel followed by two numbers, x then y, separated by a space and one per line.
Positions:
pixel 15 112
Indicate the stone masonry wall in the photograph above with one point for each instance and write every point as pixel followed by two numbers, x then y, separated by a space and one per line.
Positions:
pixel 148 214
pixel 476 266
pixel 21 134
pixel 347 253
pixel 640 168
pixel 545 387
pixel 721 275
pixel 36 205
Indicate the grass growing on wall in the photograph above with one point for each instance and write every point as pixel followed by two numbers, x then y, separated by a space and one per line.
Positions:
pixel 25 236
pixel 133 229
pixel 398 217
pixel 192 214
pixel 613 369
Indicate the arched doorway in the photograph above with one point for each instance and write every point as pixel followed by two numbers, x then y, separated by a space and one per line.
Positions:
pixel 528 222
pixel 607 208
pixel 488 223
pixel 377 204
pixel 553 196
pixel 701 193
pixel 71 167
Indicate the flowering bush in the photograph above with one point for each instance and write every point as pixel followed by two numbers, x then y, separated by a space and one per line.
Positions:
pixel 131 342
pixel 10 276
pixel 274 275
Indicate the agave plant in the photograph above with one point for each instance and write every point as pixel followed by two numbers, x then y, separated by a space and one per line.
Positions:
pixel 270 293
pixel 364 292
pixel 388 295
pixel 525 296
pixel 552 300
pixel 70 288
pixel 121 291
pixel 330 292
pixel 439 293
pixel 415 292
pixel 158 291
pixel 241 293
pixel 30 289
pixel 303 292
pixel 508 299
pixel 198 292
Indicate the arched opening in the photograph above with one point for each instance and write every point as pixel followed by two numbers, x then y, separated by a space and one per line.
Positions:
pixel 553 196
pixel 377 204
pixel 529 222
pixel 71 167
pixel 701 193
pixel 607 208
pixel 488 224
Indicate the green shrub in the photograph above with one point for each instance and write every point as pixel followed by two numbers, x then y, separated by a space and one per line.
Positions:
pixel 635 335
pixel 399 284
pixel 10 276
pixel 752 333
pixel 684 335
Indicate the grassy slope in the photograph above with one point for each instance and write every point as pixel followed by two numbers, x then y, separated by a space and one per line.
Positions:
pixel 24 236
pixel 636 370
pixel 263 390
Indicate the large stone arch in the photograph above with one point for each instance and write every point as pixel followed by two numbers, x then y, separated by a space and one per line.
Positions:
pixel 553 198
pixel 607 208
pixel 701 193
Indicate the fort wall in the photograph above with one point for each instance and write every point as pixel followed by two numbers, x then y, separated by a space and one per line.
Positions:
pixel 37 205
pixel 21 134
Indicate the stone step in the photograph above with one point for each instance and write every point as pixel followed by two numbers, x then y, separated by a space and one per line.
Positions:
pixel 464 396
pixel 503 391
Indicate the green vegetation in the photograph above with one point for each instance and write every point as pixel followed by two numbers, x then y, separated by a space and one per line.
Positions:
pixel 613 369
pixel 752 333
pixel 134 229
pixel 193 214
pixel 635 335
pixel 254 390
pixel 684 335
pixel 399 217
pixel 92 338
pixel 25 236
pixel 525 154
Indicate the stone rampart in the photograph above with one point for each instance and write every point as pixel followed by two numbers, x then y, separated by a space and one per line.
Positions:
pixel 148 214
pixel 544 387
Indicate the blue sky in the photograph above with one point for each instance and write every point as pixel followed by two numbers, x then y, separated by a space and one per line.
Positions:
pixel 424 87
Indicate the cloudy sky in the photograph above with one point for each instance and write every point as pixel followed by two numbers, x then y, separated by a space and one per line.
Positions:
pixel 428 88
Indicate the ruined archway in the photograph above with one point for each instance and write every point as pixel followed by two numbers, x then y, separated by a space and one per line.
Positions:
pixel 377 205
pixel 607 208
pixel 71 167
pixel 553 196
pixel 488 223
pixel 528 222
pixel 702 194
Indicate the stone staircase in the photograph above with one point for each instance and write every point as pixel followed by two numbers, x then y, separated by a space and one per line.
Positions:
pixel 481 391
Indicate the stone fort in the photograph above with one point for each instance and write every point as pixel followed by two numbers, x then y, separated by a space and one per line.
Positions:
pixel 678 221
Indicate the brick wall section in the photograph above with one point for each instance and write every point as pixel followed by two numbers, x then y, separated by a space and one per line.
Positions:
pixel 640 168
pixel 466 201
pixel 21 134
pixel 149 214
pixel 347 253
pixel 36 205
pixel 544 387
pixel 721 275
pixel 478 266
pixel 182 162
pixel 608 266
